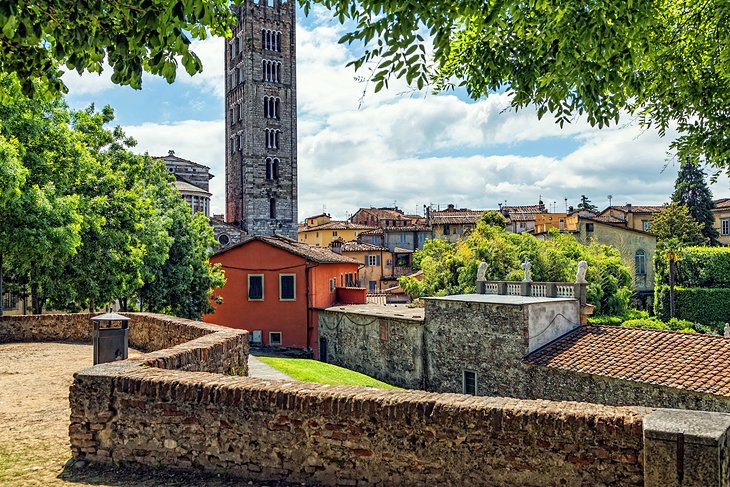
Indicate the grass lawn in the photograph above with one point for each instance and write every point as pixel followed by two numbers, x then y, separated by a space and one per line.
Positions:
pixel 316 371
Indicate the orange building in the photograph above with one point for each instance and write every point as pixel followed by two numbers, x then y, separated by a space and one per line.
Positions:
pixel 274 287
pixel 546 221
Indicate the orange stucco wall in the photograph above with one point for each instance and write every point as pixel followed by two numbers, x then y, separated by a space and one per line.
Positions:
pixel 272 314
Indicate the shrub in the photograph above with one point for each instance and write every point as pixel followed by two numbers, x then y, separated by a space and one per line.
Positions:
pixel 699 267
pixel 605 320
pixel 697 305
pixel 651 324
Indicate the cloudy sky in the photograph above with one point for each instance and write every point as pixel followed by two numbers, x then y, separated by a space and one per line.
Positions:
pixel 398 146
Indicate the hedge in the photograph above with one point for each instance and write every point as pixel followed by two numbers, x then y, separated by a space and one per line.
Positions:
pixel 699 267
pixel 698 305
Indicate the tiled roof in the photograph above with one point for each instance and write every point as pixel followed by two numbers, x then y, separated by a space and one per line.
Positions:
pixel 608 219
pixel 408 228
pixel 636 208
pixel 523 209
pixel 723 203
pixel 361 247
pixel 336 225
pixel 189 188
pixel 384 213
pixel 375 231
pixel 321 255
pixel 522 217
pixel 689 361
pixel 455 217
pixel 174 158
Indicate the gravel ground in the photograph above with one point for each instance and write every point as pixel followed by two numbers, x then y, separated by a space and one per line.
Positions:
pixel 34 412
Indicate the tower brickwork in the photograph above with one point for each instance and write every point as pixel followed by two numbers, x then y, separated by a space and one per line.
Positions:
pixel 261 119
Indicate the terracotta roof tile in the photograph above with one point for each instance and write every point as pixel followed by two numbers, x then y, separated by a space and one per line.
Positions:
pixel 336 225
pixel 362 247
pixel 523 209
pixel 723 203
pixel 321 255
pixel 687 361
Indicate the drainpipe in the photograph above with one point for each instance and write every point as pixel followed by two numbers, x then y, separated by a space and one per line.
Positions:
pixel 307 274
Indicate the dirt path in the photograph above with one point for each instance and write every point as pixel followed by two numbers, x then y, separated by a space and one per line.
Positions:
pixel 34 415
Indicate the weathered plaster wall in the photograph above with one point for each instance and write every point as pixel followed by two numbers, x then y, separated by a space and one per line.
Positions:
pixel 389 349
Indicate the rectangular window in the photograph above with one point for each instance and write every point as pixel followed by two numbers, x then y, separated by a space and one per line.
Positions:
pixel 287 287
pixel 372 260
pixel 372 286
pixel 470 382
pixel 645 225
pixel 333 284
pixel 589 227
pixel 725 226
pixel 274 338
pixel 447 229
pixel 255 287
pixel 334 234
pixel 403 238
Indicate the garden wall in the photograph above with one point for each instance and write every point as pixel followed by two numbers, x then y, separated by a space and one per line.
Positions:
pixel 317 434
pixel 144 411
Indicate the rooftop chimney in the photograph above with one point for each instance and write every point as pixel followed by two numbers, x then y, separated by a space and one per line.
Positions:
pixel 170 152
pixel 628 207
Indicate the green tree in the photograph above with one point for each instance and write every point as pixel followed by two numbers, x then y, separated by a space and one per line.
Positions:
pixel 586 205
pixel 87 221
pixel 667 62
pixel 452 268
pixel 493 217
pixel 671 252
pixel 153 36
pixel 691 190
pixel 676 222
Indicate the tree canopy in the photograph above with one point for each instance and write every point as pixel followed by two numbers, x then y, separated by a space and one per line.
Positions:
pixel 675 223
pixel 691 190
pixel 452 268
pixel 666 61
pixel 84 221
pixel 38 36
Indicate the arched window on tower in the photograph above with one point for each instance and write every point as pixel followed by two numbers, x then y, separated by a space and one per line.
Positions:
pixel 277 109
pixel 272 208
pixel 278 41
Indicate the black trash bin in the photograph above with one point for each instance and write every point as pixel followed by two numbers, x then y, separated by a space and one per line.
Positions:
pixel 110 337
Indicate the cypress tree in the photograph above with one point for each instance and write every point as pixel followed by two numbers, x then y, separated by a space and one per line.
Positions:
pixel 691 190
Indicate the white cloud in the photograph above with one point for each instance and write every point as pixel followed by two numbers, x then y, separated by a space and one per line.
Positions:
pixel 199 141
pixel 417 148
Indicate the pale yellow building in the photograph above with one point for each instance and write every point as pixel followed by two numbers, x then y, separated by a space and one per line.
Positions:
pixel 722 220
pixel 637 217
pixel 376 263
pixel 636 247
pixel 321 230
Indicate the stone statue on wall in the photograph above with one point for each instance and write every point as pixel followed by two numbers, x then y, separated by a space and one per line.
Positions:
pixel 482 271
pixel 580 277
pixel 526 266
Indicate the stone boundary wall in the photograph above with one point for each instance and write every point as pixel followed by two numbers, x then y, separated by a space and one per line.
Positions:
pixel 342 435
pixel 174 343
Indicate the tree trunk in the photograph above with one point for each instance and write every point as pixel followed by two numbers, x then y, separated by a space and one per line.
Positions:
pixel 2 301
pixel 671 288
pixel 36 301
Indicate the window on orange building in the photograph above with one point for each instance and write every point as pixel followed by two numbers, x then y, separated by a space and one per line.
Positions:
pixel 287 287
pixel 255 287
pixel 274 338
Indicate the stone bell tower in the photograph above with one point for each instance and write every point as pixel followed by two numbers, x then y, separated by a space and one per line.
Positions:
pixel 261 119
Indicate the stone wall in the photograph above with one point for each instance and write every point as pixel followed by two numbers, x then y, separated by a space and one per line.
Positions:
pixel 490 340
pixel 174 343
pixel 324 435
pixel 387 348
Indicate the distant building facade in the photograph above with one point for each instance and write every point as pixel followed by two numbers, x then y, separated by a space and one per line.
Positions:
pixel 275 287
pixel 321 230
pixel 261 119
pixel 192 180
pixel 722 220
